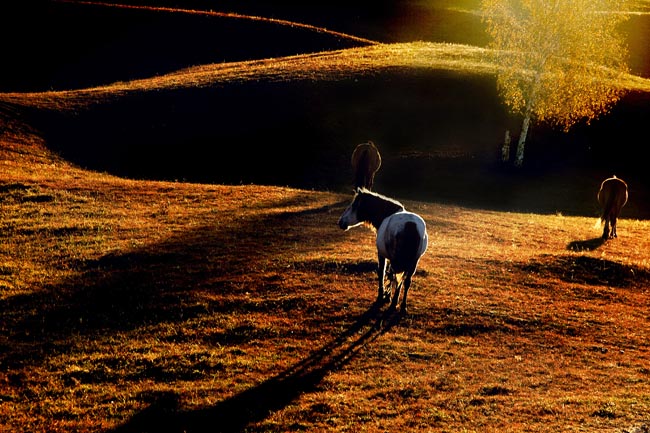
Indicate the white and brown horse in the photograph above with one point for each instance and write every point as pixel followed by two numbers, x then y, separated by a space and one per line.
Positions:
pixel 366 161
pixel 401 240
pixel 612 196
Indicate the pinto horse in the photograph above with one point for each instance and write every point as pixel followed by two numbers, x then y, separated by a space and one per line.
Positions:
pixel 612 196
pixel 401 240
pixel 366 160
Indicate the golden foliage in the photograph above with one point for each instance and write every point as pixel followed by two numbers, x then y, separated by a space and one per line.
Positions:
pixel 562 59
pixel 326 65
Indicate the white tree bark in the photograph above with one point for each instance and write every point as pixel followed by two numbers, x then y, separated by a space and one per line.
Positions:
pixel 530 104
pixel 519 158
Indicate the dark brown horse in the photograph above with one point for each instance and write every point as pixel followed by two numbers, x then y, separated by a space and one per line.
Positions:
pixel 365 163
pixel 612 196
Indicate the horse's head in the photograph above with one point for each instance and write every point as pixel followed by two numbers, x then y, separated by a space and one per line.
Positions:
pixel 350 218
pixel 369 208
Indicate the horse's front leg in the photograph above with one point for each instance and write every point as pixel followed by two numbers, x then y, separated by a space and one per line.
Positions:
pixel 381 275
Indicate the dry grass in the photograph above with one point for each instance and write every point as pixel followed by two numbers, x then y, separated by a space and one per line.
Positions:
pixel 136 306
pixel 328 65
pixel 154 306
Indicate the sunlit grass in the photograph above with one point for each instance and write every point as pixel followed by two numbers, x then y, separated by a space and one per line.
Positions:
pixel 125 294
pixel 167 304
pixel 334 65
pixel 318 66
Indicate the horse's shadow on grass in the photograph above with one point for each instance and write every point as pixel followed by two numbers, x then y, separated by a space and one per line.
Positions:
pixel 586 245
pixel 236 413
pixel 126 290
pixel 589 270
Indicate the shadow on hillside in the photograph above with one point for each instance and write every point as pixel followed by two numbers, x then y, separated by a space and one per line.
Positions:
pixel 271 133
pixel 156 283
pixel 235 413
pixel 586 245
pixel 589 270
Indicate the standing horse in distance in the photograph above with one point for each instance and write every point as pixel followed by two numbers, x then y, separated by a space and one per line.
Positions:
pixel 366 160
pixel 401 240
pixel 612 196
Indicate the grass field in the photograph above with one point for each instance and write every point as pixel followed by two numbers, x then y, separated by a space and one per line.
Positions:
pixel 157 306
pixel 140 305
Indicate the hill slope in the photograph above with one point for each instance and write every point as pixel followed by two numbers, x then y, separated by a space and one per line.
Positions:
pixel 158 305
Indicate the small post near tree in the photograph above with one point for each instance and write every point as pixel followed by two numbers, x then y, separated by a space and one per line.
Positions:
pixel 560 60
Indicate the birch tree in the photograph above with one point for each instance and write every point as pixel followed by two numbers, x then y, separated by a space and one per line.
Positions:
pixel 559 59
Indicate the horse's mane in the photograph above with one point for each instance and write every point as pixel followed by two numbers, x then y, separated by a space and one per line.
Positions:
pixel 386 204
pixel 362 190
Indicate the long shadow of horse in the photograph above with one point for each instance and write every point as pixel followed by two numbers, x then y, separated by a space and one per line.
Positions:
pixel 147 285
pixel 586 245
pixel 236 413
pixel 590 271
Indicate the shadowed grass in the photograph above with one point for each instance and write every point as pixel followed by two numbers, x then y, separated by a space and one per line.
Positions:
pixel 157 306
pixel 135 305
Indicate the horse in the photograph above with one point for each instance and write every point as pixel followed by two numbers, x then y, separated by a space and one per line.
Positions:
pixel 612 196
pixel 401 239
pixel 366 160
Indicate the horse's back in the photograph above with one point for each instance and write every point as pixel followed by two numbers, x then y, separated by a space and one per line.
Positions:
pixel 366 154
pixel 365 162
pixel 403 237
pixel 612 195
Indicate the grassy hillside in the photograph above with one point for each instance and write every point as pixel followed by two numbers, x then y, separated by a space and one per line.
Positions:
pixel 148 300
pixel 165 306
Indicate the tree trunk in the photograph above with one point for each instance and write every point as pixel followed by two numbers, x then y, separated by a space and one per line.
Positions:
pixel 519 158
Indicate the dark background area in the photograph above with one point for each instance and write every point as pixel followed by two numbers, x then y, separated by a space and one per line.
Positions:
pixel 59 45
pixel 439 132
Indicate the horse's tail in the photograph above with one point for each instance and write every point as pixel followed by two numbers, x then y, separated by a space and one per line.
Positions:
pixel 411 242
pixel 361 173
pixel 599 222
pixel 376 157
pixel 606 208
pixel 614 200
pixel 610 203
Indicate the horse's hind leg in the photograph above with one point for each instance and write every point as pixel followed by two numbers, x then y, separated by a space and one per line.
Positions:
pixel 397 284
pixel 406 283
pixel 606 234
pixel 613 233
pixel 381 275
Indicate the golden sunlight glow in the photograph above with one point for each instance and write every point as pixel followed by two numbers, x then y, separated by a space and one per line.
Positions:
pixel 332 65
pixel 328 65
